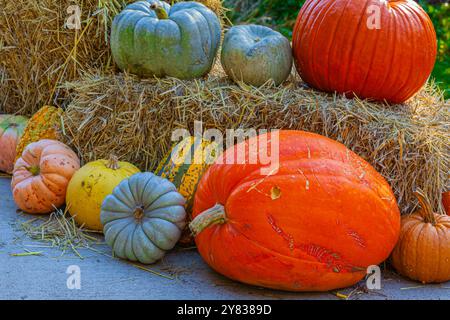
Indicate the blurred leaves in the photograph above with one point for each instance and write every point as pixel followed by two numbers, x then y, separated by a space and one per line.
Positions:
pixel 278 14
pixel 439 13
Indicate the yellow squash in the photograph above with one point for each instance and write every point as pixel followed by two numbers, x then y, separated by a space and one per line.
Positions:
pixel 44 124
pixel 90 185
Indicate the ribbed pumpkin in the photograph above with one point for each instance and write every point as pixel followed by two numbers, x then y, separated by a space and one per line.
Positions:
pixel 184 165
pixel 256 54
pixel 44 124
pixel 41 176
pixel 151 38
pixel 214 5
pixel 340 46
pixel 143 218
pixel 423 250
pixel 11 129
pixel 314 225
pixel 90 186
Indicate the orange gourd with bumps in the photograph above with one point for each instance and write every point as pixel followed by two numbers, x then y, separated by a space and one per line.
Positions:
pixel 315 224
pixel 41 176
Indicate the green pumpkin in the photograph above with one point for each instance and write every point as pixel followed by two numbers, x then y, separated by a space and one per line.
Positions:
pixel 255 54
pixel 151 38
pixel 143 218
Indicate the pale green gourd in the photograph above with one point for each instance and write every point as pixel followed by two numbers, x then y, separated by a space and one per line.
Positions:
pixel 151 38
pixel 256 54
pixel 143 218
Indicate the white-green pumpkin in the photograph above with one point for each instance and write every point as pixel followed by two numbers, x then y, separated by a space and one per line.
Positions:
pixel 255 54
pixel 143 218
pixel 151 38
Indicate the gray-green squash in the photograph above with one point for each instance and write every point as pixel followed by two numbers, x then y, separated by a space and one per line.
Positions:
pixel 143 218
pixel 255 54
pixel 151 38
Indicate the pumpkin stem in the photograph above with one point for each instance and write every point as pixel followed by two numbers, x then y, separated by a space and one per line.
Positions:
pixel 160 12
pixel 214 215
pixel 427 211
pixel 113 163
pixel 34 170
pixel 139 213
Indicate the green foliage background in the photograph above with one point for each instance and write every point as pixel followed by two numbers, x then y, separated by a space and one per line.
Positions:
pixel 281 15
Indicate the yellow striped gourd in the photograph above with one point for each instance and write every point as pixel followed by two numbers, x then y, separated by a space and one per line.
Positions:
pixel 185 164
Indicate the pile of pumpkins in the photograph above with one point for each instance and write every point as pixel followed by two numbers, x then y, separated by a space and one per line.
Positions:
pixel 374 49
pixel 314 224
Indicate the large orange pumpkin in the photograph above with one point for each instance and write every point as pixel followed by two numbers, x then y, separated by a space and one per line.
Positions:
pixel 314 225
pixel 384 50
pixel 41 176
pixel 11 129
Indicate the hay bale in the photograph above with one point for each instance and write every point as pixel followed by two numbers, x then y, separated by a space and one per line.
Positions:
pixel 38 52
pixel 408 144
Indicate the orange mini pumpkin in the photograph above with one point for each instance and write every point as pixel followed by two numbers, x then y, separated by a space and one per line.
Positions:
pixel 41 176
pixel 314 225
pixel 423 251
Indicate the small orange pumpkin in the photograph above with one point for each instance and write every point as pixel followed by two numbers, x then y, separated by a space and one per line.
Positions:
pixel 41 176
pixel 423 251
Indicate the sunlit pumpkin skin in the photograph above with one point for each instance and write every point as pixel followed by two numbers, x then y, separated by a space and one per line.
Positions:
pixel 339 47
pixel 143 218
pixel 44 124
pixel 150 38
pixel 446 202
pixel 314 225
pixel 184 165
pixel 11 129
pixel 41 176
pixel 214 5
pixel 256 54
pixel 423 250
pixel 89 187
